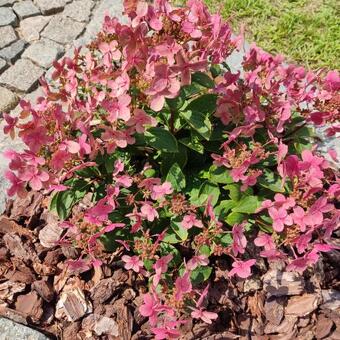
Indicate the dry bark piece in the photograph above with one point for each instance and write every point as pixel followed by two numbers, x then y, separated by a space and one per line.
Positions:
pixel 71 331
pixel 302 305
pixel 286 326
pixel 277 283
pixel 73 305
pixel 251 285
pixel 124 320
pixel 8 289
pixel 44 289
pixel 101 325
pixel 323 327
pixel 20 276
pixel 30 305
pixel 14 315
pixel 331 299
pixel 102 291
pixel 8 226
pixel 51 233
pixel 273 309
pixel 16 246
pixel 26 207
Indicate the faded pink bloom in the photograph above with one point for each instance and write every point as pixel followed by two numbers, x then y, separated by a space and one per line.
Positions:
pixel 140 120
pixel 315 213
pixel 17 186
pixel 99 213
pixel 132 262
pixel 149 308
pixel 239 240
pixel 124 181
pixel 204 315
pixel 242 268
pixel 280 218
pixel 110 52
pixel 160 267
pixel 149 212
pixel 11 122
pixel 183 285
pixel 159 191
pixel 197 260
pixel 190 221
pixel 299 218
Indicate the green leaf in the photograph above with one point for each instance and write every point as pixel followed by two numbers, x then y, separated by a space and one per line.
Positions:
pixel 208 189
pixel 193 143
pixel 64 203
pixel 90 172
pixel 220 175
pixel 226 240
pixel 203 79
pixel 271 181
pixel 169 158
pixel 199 122
pixel 176 177
pixel 235 218
pixel 203 104
pixel 234 191
pixel 247 205
pixel 200 274
pixel 215 70
pixel 176 226
pixel 171 237
pixel 161 139
pixel 166 249
pixel 205 250
pixel 224 207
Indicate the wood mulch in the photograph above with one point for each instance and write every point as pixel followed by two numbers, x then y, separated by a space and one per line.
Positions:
pixel 37 289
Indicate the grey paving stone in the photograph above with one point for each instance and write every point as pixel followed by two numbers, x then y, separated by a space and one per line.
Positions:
pixel 7 17
pixel 25 9
pixel 22 76
pixel 30 28
pixel 7 36
pixel 8 100
pixel 79 10
pixel 12 52
pixel 44 52
pixel 50 6
pixel 2 64
pixel 63 30
pixel 6 2
pixel 11 330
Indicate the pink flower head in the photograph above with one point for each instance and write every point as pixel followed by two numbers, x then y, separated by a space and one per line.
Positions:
pixel 160 267
pixel 190 221
pixel 159 191
pixel 35 177
pixel 314 215
pixel 298 216
pixel 124 181
pixel 280 218
pixel 197 260
pixel 239 240
pixel 149 212
pixel 11 122
pixel 183 285
pixel 284 202
pixel 99 213
pixel 149 308
pixel 17 185
pixel 242 268
pixel 110 52
pixel 140 120
pixel 132 262
pixel 168 331
pixel 264 240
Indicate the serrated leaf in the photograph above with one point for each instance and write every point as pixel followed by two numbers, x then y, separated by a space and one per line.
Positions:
pixel 205 104
pixel 220 175
pixel 161 139
pixel 176 177
pixel 209 189
pixel 234 191
pixel 193 143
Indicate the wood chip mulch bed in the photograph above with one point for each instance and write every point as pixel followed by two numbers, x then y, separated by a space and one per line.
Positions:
pixel 37 289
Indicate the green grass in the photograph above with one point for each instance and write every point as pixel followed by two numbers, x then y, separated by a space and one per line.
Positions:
pixel 305 31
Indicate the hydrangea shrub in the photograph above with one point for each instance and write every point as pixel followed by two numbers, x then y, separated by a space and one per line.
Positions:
pixel 152 148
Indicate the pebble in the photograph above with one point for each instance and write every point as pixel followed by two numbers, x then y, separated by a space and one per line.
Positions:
pixel 8 100
pixel 22 76
pixel 12 52
pixel 7 17
pixel 30 28
pixel 11 330
pixel 25 9
pixel 48 7
pixel 44 52
pixel 7 35
pixel 62 30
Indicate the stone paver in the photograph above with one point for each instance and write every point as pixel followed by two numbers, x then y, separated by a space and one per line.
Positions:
pixel 7 36
pixel 2 64
pixel 7 17
pixel 44 52
pixel 12 52
pixel 22 76
pixel 50 6
pixel 8 100
pixel 6 2
pixel 25 9
pixel 30 28
pixel 79 10
pixel 10 330
pixel 62 30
